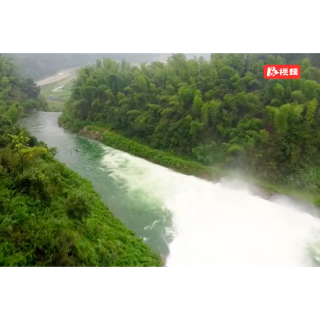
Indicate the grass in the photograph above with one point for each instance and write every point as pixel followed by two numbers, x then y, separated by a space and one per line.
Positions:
pixel 295 193
pixel 136 148
pixel 179 164
pixel 37 229
pixel 156 156
pixel 60 97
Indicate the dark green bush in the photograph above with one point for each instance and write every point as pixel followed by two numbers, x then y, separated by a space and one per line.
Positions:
pixel 78 206
pixel 49 216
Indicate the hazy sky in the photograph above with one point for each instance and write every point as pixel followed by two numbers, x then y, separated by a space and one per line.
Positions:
pixel 39 65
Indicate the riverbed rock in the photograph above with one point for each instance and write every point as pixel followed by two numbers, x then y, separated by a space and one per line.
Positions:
pixel 91 134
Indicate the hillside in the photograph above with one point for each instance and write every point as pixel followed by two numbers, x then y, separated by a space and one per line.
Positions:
pixel 219 112
pixel 50 216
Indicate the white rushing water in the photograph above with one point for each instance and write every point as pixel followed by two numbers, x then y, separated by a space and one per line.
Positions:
pixel 219 224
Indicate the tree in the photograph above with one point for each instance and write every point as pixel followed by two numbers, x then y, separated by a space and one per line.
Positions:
pixel 26 153
pixel 185 104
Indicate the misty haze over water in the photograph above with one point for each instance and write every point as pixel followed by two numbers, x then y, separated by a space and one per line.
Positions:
pixel 39 65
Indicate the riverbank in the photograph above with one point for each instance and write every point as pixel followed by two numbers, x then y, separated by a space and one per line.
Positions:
pixel 57 77
pixel 57 98
pixel 98 132
pixel 51 216
pixel 117 141
pixel 52 232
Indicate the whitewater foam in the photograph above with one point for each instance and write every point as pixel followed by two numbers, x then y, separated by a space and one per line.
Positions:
pixel 218 224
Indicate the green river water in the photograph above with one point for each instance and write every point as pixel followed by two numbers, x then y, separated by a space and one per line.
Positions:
pixel 190 221
pixel 135 209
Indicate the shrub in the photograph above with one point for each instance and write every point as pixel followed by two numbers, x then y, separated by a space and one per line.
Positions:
pixel 78 206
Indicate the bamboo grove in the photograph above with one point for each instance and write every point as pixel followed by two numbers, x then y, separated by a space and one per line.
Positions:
pixel 219 111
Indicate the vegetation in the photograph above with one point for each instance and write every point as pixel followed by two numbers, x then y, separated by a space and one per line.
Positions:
pixel 61 96
pixel 220 112
pixel 296 58
pixel 112 139
pixel 100 132
pixel 40 65
pixel 49 216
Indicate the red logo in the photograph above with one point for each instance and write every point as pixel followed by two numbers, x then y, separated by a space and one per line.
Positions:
pixel 282 71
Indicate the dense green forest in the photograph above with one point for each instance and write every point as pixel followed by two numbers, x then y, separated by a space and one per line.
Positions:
pixel 295 58
pixel 219 112
pixel 49 216
pixel 40 65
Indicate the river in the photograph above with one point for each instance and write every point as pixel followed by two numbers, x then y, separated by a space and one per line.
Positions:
pixel 190 221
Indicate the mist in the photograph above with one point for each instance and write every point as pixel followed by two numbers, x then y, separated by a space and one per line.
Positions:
pixel 39 65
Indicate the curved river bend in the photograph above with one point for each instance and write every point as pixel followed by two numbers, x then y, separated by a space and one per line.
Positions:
pixel 190 221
